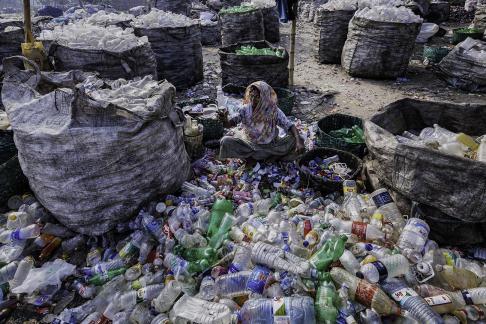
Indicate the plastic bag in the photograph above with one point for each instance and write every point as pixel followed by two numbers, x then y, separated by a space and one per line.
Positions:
pixel 50 274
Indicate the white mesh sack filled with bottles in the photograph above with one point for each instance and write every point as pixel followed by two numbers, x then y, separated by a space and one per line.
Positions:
pixel 94 152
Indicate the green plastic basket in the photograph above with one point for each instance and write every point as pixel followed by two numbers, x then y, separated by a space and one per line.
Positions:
pixel 286 99
pixel 334 122
pixel 435 54
pixel 319 183
pixel 460 34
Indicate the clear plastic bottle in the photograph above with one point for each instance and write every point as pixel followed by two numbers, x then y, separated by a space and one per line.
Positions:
pixel 370 317
pixel 150 292
pixel 84 290
pixel 154 226
pixel 242 259
pixel 195 310
pixel 365 293
pixel 349 262
pixel 20 234
pixel 161 319
pixel 141 314
pixel 275 258
pixel 409 300
pixel 363 249
pixel 413 238
pixel 23 269
pixel 7 273
pixel 351 205
pixel 386 206
pixel 456 278
pixel 389 267
pixel 148 279
pixel 167 296
pixel 233 284
pixel 207 289
pixel 363 231
pixel 292 310
pixel 18 220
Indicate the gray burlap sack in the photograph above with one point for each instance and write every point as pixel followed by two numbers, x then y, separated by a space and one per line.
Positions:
pixel 454 185
pixel 331 31
pixel 135 62
pixel 480 17
pixel 211 33
pixel 465 66
pixel 380 50
pixel 178 52
pixel 92 162
pixel 182 7
pixel 241 70
pixel 10 40
pixel 242 27
pixel 271 24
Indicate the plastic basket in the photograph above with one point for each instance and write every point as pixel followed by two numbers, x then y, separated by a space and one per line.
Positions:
pixel 460 34
pixel 435 54
pixel 286 100
pixel 319 183
pixel 334 122
pixel 213 128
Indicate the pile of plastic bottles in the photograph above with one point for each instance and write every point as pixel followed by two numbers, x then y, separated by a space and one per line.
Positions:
pixel 157 18
pixel 354 134
pixel 262 3
pixel 439 138
pixel 241 245
pixel 134 95
pixel 329 168
pixel 389 14
pixel 335 5
pixel 87 36
pixel 237 9
pixel 252 50
pixel 76 13
pixel 103 18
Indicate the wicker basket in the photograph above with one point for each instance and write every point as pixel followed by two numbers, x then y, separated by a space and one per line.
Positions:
pixel 319 183
pixel 335 122
pixel 213 128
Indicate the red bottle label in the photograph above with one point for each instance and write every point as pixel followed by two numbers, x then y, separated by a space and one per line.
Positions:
pixel 359 229
pixel 307 227
pixel 365 292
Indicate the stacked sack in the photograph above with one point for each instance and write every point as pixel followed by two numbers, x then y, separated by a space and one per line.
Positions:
pixel 380 42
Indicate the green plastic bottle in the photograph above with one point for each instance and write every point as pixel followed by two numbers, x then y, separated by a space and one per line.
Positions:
pixel 326 304
pixel 330 252
pixel 220 207
pixel 197 266
pixel 222 233
pixel 101 279
pixel 196 254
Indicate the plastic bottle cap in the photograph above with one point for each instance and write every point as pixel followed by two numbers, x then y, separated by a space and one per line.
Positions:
pixel 360 275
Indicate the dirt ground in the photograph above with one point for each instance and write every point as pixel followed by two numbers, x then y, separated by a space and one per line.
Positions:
pixel 315 83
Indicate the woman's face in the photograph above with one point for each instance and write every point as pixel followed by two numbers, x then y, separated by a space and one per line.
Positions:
pixel 254 96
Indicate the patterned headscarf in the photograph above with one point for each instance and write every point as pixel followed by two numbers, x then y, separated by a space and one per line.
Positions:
pixel 264 115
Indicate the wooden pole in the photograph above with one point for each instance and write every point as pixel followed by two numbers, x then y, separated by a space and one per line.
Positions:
pixel 292 49
pixel 29 38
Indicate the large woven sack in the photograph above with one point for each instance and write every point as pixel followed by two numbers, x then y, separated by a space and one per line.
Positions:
pixel 241 70
pixel 242 27
pixel 211 33
pixel 454 185
pixel 92 163
pixel 331 31
pixel 178 52
pixel 182 7
pixel 377 49
pixel 480 17
pixel 271 24
pixel 138 61
pixel 465 66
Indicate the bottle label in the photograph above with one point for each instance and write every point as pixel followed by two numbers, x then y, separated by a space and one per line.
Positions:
pixel 279 312
pixel 307 227
pixel 349 186
pixel 359 229
pixel 141 294
pixel 382 199
pixel 438 300
pixel 365 292
pixel 15 235
pixel 467 297
pixel 403 294
pixel 258 279
pixel 382 271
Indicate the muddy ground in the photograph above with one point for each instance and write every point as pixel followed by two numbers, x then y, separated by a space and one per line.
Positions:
pixel 315 83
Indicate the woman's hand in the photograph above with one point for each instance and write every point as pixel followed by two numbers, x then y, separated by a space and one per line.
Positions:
pixel 223 117
pixel 299 145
